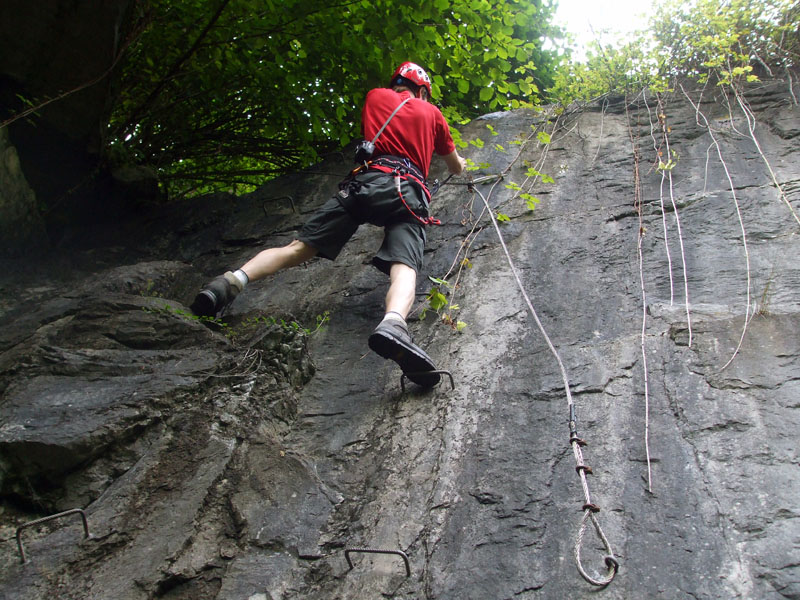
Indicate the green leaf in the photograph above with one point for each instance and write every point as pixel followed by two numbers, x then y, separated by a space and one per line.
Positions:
pixel 436 299
pixel 226 100
pixel 438 281
pixel 530 201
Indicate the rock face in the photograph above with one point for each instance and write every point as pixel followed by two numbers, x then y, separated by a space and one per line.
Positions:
pixel 242 461
pixel 56 47
pixel 22 225
pixel 58 56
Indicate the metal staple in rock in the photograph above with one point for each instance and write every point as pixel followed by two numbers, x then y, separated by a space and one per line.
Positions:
pixel 73 511
pixel 589 509
pixel 399 553
pixel 405 376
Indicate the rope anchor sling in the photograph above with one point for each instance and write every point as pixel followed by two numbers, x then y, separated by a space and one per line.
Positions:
pixel 590 509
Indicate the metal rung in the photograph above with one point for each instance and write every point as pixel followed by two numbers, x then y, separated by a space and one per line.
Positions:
pixel 440 372
pixel 399 553
pixel 264 205
pixel 73 511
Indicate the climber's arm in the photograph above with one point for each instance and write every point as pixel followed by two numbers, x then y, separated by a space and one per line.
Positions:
pixel 455 163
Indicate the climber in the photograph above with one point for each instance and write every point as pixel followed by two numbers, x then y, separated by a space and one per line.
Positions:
pixel 387 189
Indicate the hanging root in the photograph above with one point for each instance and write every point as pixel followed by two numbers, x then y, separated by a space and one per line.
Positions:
pixel 791 85
pixel 589 511
pixel 715 143
pixel 467 242
pixel 588 507
pixel 751 126
pixel 637 203
pixel 602 122
pixel 661 200
pixel 678 229
pixel 666 176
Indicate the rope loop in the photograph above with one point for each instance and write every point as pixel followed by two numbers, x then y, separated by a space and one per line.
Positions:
pixel 612 565
pixel 589 508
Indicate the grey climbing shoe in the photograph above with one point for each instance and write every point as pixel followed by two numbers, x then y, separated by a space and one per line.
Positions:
pixel 216 295
pixel 391 340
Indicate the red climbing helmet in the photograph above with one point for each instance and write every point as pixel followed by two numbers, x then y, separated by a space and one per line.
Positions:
pixel 414 73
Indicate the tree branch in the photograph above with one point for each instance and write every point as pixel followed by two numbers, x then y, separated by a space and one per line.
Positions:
pixel 173 69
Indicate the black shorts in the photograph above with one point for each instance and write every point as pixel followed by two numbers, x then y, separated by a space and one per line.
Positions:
pixel 371 197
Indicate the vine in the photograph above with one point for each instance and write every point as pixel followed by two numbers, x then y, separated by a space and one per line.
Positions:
pixel 751 127
pixel 589 508
pixel 441 296
pixel 659 154
pixel 637 204
pixel 715 144
pixel 666 172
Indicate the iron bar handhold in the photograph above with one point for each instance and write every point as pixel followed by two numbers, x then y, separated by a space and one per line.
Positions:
pixel 86 534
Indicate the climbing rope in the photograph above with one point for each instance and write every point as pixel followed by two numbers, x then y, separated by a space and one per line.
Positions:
pixel 589 508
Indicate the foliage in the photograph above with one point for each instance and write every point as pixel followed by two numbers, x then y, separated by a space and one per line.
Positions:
pixel 247 326
pixel 159 306
pixel 439 303
pixel 722 41
pixel 607 69
pixel 730 37
pixel 224 94
pixel 252 323
pixel 168 309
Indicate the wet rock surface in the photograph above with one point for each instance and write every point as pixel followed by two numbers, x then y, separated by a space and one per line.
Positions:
pixel 240 460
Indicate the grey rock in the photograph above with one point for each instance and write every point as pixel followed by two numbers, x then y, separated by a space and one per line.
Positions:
pixel 21 227
pixel 240 460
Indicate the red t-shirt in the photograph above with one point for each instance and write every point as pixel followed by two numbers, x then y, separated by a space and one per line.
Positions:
pixel 417 130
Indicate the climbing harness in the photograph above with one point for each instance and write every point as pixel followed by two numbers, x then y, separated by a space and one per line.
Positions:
pixel 590 509
pixel 401 169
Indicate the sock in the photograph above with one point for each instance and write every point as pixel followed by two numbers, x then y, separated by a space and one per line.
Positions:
pixel 394 316
pixel 236 285
pixel 241 276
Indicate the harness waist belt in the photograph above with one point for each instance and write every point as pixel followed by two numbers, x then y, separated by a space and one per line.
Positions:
pixel 400 168
pixel 401 164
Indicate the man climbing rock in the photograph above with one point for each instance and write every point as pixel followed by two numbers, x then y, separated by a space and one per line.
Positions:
pixel 387 189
